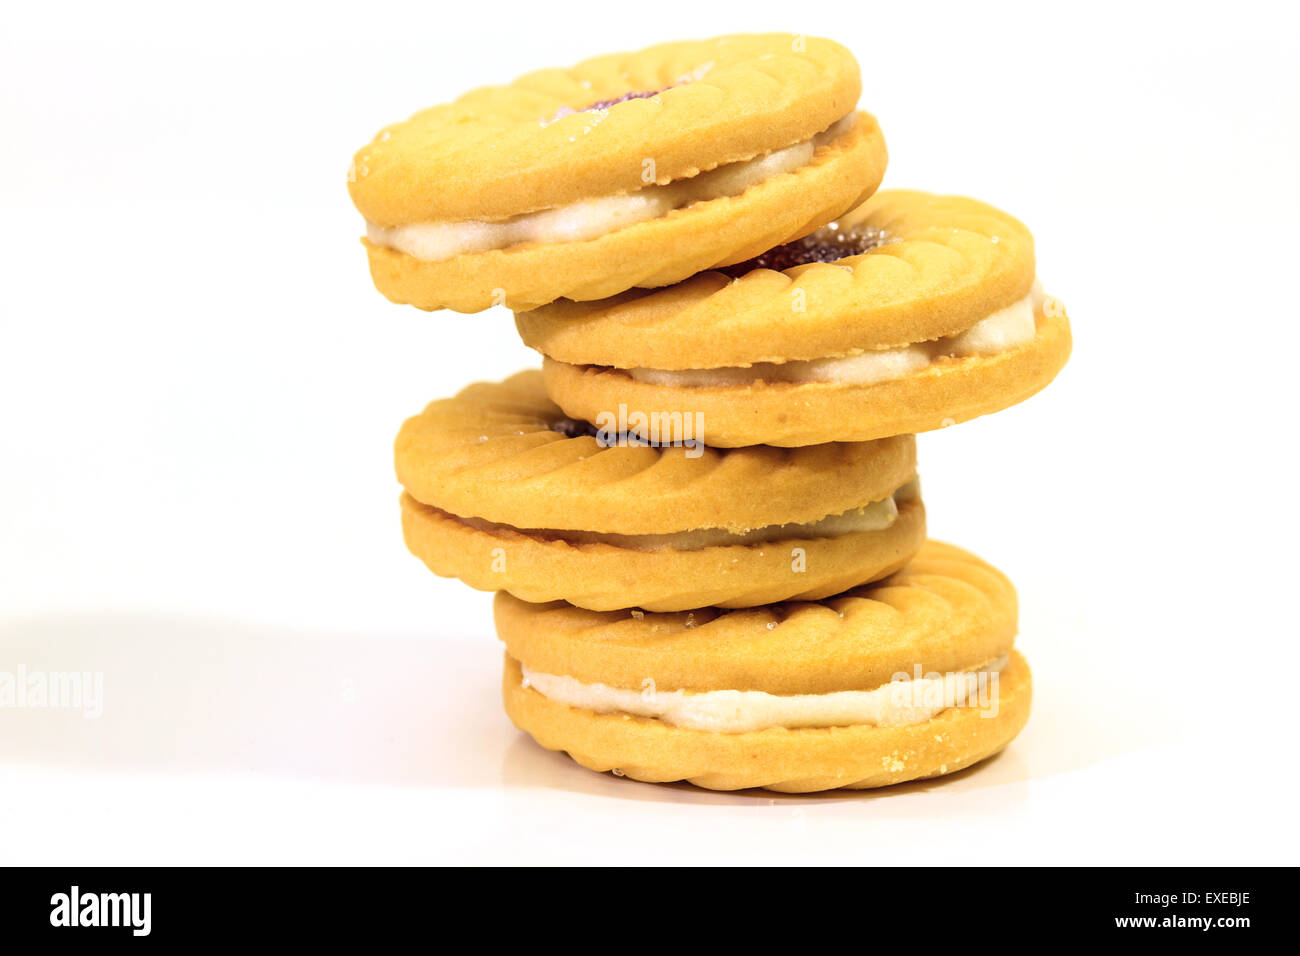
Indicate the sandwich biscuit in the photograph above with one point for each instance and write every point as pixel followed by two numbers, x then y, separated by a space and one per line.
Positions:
pixel 505 492
pixel 635 169
pixel 910 313
pixel 908 678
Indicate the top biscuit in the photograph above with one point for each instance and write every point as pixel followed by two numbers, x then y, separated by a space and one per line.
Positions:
pixel 548 138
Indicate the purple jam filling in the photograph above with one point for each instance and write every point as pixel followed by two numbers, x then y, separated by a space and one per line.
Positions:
pixel 824 245
pixel 606 104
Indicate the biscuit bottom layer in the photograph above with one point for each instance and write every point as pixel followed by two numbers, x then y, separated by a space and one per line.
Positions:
pixel 1003 330
pixel 904 700
pixel 876 516
pixel 592 218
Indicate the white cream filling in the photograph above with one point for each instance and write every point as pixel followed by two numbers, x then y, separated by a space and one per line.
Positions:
pixel 1003 330
pixel 592 218
pixel 898 703
pixel 876 516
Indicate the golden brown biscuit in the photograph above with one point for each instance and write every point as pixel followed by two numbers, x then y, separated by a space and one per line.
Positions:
pixel 914 312
pixel 631 169
pixel 506 493
pixel 945 392
pixel 909 678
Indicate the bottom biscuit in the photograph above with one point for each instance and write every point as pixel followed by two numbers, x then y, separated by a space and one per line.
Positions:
pixel 799 760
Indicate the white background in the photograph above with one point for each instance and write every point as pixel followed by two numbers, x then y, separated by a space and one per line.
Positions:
pixel 199 388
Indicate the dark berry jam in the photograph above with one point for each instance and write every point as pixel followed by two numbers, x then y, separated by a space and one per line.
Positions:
pixel 572 428
pixel 824 245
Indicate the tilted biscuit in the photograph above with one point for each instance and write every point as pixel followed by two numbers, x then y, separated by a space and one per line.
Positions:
pixel 506 493
pixel 912 677
pixel 910 313
pixel 636 169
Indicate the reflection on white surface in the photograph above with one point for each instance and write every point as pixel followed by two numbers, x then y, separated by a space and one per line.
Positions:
pixel 189 695
pixel 186 695
pixel 223 742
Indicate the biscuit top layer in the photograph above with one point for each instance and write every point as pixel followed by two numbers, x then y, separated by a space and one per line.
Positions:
pixel 946 611
pixel 501 151
pixel 951 262
pixel 505 453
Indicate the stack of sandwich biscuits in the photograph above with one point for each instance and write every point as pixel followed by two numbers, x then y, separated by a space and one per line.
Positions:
pixel 701 515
